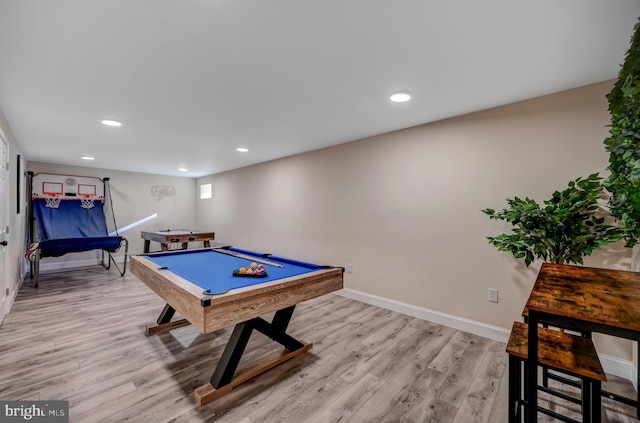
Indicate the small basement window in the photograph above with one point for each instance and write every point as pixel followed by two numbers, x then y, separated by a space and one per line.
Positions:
pixel 205 191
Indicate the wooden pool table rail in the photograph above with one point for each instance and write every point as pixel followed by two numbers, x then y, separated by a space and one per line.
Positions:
pixel 209 313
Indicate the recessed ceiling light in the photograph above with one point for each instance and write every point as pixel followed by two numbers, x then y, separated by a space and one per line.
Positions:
pixel 183 169
pixel 111 122
pixel 88 158
pixel 242 149
pixel 400 97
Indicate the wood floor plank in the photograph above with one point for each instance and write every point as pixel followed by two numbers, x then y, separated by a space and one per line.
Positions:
pixel 80 338
pixel 464 369
pixel 438 411
pixel 351 400
pixel 451 352
pixel 477 403
pixel 401 400
pixel 378 359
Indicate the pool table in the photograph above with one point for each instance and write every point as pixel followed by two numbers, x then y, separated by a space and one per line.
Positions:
pixel 201 286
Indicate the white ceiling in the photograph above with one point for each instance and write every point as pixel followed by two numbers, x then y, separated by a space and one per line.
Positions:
pixel 193 79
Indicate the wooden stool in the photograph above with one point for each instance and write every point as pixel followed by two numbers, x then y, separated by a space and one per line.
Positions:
pixel 562 352
pixel 546 376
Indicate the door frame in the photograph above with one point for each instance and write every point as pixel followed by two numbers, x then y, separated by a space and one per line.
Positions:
pixel 5 178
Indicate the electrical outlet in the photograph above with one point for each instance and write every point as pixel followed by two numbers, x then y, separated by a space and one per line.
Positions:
pixel 349 268
pixel 492 295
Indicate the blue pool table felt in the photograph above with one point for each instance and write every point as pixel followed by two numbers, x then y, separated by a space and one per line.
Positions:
pixel 213 271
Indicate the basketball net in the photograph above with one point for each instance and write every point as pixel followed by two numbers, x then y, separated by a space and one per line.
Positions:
pixel 53 200
pixel 87 202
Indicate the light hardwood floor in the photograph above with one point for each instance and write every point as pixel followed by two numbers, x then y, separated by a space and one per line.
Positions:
pixel 80 337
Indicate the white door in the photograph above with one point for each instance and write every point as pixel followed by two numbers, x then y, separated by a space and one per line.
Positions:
pixel 4 228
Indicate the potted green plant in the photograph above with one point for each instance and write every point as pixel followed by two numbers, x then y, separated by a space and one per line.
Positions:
pixel 623 144
pixel 564 229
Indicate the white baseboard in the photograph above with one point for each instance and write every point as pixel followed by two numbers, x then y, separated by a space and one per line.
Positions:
pixel 72 264
pixel 459 323
pixel 611 365
pixel 618 367
pixel 62 265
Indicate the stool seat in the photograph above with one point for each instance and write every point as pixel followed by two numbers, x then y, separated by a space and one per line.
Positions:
pixel 558 350
pixel 562 352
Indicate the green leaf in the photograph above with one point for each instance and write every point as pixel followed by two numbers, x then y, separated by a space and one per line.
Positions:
pixel 528 260
pixel 565 230
pixel 624 168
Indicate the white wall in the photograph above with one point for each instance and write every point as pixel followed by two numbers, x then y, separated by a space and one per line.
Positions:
pixel 133 201
pixel 404 208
